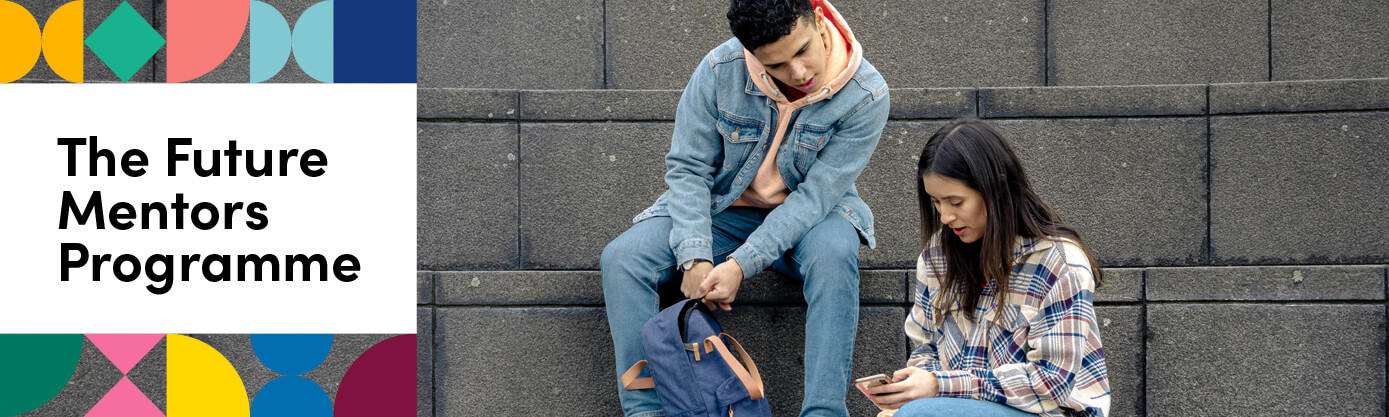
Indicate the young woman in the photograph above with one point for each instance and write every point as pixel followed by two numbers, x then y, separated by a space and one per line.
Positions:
pixel 1003 321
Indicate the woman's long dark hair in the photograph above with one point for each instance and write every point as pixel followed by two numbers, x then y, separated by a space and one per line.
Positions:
pixel 972 152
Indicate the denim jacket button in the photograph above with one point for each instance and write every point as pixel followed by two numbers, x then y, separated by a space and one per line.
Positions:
pixel 735 134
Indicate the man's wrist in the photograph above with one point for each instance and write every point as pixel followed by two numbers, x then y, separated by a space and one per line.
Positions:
pixel 748 260
pixel 688 265
pixel 735 262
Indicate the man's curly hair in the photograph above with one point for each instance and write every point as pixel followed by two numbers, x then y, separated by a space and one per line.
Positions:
pixel 759 22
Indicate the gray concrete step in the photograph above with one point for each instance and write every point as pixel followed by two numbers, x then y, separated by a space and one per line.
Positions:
pixel 1166 331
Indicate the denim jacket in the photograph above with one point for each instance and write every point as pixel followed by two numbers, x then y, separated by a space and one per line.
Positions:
pixel 723 126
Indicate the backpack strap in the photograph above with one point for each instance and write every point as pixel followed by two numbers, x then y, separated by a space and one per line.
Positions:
pixel 630 380
pixel 752 379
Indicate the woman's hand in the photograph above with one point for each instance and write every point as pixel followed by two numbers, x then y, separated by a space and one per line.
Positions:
pixel 909 384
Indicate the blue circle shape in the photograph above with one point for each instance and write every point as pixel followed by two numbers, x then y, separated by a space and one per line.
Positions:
pixel 291 354
pixel 291 396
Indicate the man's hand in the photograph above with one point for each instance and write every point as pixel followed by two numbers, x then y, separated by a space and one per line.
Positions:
pixel 689 285
pixel 911 383
pixel 720 287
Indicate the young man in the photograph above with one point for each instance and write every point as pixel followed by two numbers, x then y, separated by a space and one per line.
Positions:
pixel 770 134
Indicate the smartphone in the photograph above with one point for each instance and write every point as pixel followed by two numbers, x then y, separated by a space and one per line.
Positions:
pixel 867 382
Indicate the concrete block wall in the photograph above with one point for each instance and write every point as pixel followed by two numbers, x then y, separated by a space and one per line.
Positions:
pixel 1242 227
pixel 1240 218
pixel 630 44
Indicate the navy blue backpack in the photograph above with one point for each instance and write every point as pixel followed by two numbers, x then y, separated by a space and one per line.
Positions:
pixel 692 370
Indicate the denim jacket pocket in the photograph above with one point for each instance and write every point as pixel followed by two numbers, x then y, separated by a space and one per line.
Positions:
pixel 739 129
pixel 809 139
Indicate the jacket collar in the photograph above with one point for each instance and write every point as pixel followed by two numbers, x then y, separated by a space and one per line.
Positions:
pixel 1024 246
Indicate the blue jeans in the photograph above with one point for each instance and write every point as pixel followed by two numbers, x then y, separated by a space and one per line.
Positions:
pixel 950 407
pixel 825 260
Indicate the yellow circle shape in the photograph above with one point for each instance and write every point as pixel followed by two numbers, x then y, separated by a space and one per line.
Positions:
pixel 62 41
pixel 22 41
pixel 202 382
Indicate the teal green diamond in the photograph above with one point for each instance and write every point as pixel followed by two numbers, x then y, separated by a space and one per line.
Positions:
pixel 125 41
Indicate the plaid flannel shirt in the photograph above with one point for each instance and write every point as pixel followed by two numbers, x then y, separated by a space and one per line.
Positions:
pixel 1044 357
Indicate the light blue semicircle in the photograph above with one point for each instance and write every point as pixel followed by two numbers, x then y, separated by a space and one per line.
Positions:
pixel 270 40
pixel 313 41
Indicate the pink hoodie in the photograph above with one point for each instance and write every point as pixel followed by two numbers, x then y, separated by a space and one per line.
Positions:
pixel 768 188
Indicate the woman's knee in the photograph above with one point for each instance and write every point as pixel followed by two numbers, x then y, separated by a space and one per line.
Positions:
pixel 942 407
pixel 927 407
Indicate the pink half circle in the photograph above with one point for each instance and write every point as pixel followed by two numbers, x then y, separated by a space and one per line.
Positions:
pixel 202 34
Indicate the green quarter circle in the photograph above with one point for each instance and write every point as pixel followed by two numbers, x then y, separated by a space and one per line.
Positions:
pixel 34 368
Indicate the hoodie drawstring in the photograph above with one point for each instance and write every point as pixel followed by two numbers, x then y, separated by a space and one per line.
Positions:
pixel 776 93
pixel 823 92
pixel 769 83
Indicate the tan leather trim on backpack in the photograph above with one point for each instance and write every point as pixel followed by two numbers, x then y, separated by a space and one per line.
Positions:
pixel 630 380
pixel 752 380
pixel 693 347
